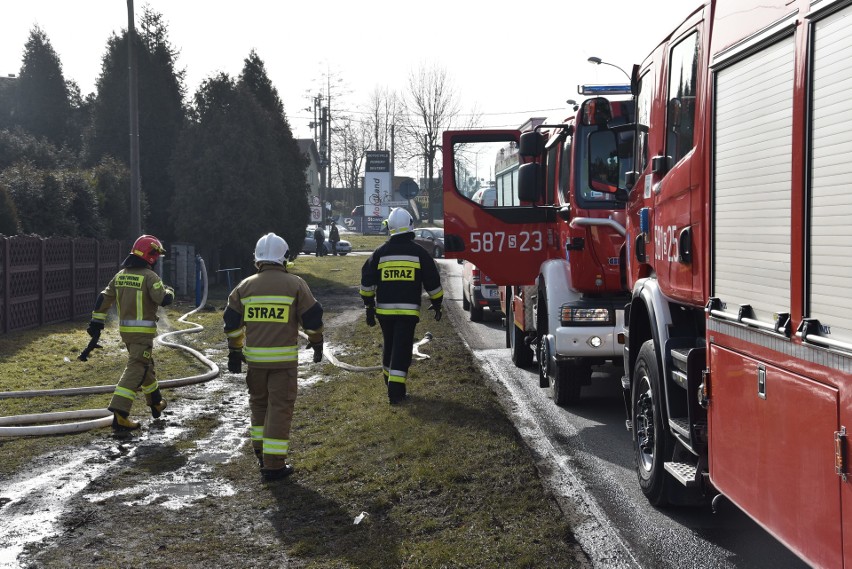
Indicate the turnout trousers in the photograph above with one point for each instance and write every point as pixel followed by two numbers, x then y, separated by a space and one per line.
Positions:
pixel 398 336
pixel 138 373
pixel 272 396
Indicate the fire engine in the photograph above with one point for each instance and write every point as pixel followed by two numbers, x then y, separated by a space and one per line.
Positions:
pixel 553 238
pixel 738 256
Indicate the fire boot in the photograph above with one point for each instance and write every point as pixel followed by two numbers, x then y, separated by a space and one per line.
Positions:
pixel 157 404
pixel 120 422
pixel 259 454
pixel 277 473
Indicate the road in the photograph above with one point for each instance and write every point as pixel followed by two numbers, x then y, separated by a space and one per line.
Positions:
pixel 585 456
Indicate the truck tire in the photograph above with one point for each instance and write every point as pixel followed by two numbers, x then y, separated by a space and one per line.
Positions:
pixel 508 317
pixel 652 445
pixel 542 329
pixel 522 355
pixel 566 386
pixel 476 313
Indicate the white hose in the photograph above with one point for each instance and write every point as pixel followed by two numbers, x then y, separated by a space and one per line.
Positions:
pixel 101 417
pixel 349 367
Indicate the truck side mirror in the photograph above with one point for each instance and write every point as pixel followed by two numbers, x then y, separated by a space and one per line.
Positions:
pixel 531 145
pixel 603 161
pixel 529 182
pixel 596 111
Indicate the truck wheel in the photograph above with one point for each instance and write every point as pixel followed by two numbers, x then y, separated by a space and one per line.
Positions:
pixel 522 355
pixel 543 352
pixel 509 317
pixel 476 312
pixel 651 443
pixel 565 388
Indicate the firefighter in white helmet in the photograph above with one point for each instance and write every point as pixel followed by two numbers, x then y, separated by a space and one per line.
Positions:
pixel 391 282
pixel 137 291
pixel 262 322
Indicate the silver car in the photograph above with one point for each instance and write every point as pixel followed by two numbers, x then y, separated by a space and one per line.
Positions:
pixel 310 245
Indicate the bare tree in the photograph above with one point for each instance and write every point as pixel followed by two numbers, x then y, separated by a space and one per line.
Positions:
pixel 431 106
pixel 352 140
pixel 384 110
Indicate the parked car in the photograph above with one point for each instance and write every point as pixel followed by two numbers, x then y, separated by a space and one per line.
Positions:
pixel 310 245
pixel 486 196
pixel 431 239
pixel 478 292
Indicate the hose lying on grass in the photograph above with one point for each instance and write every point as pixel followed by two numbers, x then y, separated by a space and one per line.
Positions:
pixel 100 417
pixel 87 419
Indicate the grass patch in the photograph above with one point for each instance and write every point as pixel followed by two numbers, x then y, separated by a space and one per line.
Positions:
pixel 444 478
pixel 364 242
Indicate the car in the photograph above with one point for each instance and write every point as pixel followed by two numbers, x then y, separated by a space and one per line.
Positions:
pixel 486 196
pixel 431 239
pixel 478 292
pixel 310 245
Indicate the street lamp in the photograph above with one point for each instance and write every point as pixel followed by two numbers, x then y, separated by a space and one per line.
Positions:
pixel 599 61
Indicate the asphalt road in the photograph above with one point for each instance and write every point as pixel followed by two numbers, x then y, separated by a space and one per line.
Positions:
pixel 585 455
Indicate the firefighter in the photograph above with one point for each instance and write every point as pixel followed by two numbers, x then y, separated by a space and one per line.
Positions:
pixel 137 292
pixel 262 322
pixel 391 281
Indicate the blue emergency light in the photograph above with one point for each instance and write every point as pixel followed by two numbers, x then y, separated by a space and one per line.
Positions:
pixel 612 89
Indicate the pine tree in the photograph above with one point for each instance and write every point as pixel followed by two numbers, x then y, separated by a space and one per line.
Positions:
pixel 161 114
pixel 42 105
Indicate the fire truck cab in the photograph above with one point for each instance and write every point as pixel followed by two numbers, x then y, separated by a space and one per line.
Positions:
pixel 553 239
pixel 738 255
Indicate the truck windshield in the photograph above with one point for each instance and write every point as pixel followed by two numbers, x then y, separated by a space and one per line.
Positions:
pixel 611 151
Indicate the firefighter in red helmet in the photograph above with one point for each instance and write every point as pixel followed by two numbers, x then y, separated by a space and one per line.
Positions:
pixel 137 292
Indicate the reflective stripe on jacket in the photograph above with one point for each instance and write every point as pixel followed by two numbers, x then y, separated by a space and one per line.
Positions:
pixel 264 314
pixel 137 293
pixel 394 276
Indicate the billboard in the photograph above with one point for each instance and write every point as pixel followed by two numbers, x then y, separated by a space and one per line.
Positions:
pixel 378 188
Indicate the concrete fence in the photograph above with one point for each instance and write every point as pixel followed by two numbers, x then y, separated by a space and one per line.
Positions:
pixel 48 280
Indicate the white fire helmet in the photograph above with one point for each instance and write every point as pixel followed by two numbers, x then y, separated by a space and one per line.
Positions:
pixel 400 221
pixel 271 249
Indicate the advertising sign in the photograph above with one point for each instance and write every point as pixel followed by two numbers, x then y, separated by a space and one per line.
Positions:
pixel 378 189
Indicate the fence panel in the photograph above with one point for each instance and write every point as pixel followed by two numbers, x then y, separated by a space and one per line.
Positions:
pixel 43 281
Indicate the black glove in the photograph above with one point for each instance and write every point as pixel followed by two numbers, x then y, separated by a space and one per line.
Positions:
pixel 371 316
pixel 94 329
pixel 437 309
pixel 235 361
pixel 317 346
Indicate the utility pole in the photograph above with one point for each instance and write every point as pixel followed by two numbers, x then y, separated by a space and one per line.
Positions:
pixel 323 151
pixel 135 201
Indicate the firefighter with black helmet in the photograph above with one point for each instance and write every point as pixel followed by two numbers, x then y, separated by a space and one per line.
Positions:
pixel 391 282
pixel 262 322
pixel 137 291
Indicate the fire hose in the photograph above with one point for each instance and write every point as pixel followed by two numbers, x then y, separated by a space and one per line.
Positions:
pixel 87 419
pixel 97 418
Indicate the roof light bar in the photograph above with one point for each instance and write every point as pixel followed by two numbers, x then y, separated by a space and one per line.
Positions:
pixel 610 89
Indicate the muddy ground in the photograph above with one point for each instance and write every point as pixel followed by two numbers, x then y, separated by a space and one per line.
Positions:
pixel 192 470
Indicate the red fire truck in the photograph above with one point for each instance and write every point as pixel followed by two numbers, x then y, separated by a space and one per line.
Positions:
pixel 738 351
pixel 552 240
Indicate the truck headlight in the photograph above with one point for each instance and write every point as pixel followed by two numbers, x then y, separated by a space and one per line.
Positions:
pixel 574 315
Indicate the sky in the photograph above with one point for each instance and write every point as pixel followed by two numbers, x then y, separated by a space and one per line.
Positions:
pixel 505 64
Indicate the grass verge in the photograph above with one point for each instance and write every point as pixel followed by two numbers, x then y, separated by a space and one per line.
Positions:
pixel 444 478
